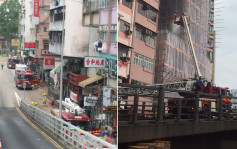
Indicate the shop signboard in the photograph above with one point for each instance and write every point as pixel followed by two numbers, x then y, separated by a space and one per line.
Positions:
pixel 29 46
pixel 49 63
pixel 73 96
pixel 94 62
pixel 106 96
pixel 36 8
pixel 89 102
pixel 15 42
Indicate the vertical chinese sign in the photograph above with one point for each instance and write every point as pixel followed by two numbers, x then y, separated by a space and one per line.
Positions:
pixel 36 8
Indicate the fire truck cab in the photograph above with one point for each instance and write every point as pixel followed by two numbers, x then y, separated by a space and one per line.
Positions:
pixel 12 61
pixel 25 77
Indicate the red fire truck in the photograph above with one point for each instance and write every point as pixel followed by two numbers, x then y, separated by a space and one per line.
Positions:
pixel 25 77
pixel 12 61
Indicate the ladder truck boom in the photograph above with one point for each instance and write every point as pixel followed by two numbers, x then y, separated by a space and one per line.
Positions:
pixel 191 45
pixel 182 20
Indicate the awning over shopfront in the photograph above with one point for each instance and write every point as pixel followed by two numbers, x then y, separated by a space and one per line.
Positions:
pixel 55 70
pixel 90 80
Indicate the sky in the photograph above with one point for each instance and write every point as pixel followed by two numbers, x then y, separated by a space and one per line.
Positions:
pixel 226 51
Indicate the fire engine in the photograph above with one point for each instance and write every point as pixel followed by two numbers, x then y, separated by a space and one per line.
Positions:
pixel 181 19
pixel 75 115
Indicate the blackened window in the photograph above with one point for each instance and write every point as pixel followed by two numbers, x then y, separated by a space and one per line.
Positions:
pixel 45 29
pixel 151 14
pixel 124 26
pixel 127 3
pixel 141 9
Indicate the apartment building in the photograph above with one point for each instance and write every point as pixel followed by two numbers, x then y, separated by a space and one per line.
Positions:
pixel 101 17
pixel 27 30
pixel 174 57
pixel 137 40
pixel 211 39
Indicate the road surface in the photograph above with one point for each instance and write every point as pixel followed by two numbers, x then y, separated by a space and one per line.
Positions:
pixel 15 132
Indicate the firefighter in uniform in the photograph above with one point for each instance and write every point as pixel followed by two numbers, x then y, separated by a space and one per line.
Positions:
pixel 44 100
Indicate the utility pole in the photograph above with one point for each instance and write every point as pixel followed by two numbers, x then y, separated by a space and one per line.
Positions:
pixel 61 74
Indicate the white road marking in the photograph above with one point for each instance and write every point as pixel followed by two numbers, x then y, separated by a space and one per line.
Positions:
pixel 18 98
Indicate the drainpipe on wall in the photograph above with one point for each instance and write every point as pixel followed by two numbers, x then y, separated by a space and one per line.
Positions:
pixel 131 36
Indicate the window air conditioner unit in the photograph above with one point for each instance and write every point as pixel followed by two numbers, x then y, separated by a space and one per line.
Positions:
pixel 143 31
pixel 146 7
pixel 148 32
pixel 128 32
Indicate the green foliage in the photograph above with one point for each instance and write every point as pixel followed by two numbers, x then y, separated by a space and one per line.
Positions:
pixel 9 19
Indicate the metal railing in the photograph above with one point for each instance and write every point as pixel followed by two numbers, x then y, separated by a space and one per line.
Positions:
pixel 171 105
pixel 60 129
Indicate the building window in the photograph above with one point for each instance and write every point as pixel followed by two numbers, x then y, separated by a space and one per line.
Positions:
pixel 113 36
pixel 103 35
pixel 45 29
pixel 112 68
pixel 103 3
pixel 139 34
pixel 152 15
pixel 43 12
pixel 135 59
pixel 124 26
pixel 150 40
pixel 37 44
pixel 55 36
pixel 147 11
pixel 94 5
pixel 210 42
pixel 114 3
pixel 141 9
pixel 127 3
pixel 46 44
pixel 37 28
pixel 210 28
pixel 211 16
pixel 138 60
pixel 148 63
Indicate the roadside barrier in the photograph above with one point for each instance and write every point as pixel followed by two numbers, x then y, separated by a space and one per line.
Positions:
pixel 64 130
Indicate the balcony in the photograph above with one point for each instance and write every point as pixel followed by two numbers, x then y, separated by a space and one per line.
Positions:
pixel 46 52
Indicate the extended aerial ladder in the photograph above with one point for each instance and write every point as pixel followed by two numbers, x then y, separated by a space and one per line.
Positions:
pixel 182 20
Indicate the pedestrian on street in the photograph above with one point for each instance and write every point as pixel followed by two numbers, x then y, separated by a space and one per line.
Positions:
pixel 2 64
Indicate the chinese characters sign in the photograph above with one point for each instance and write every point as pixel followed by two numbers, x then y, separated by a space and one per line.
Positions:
pixel 94 62
pixel 29 46
pixel 36 8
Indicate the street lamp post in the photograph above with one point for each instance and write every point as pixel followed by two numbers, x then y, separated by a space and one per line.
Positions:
pixel 61 74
